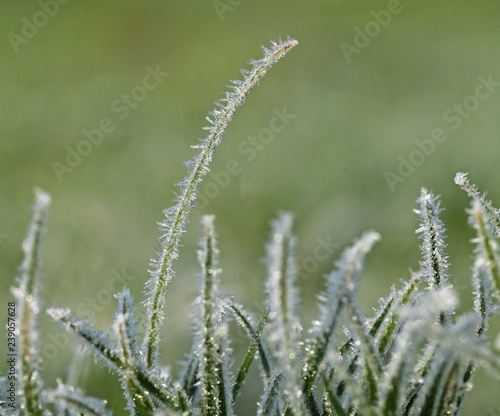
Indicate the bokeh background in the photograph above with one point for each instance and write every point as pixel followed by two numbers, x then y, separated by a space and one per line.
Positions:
pixel 354 120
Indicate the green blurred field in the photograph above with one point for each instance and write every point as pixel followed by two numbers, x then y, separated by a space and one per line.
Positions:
pixel 353 120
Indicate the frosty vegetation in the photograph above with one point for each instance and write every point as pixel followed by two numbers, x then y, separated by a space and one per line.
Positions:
pixel 413 356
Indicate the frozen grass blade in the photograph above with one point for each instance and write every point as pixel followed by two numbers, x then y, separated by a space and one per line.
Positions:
pixel 401 362
pixel 435 261
pixel 270 399
pixel 334 400
pixel 189 376
pixel 446 403
pixel 384 325
pixel 396 378
pixel 339 283
pixel 27 295
pixel 282 298
pixel 139 400
pixel 106 352
pixel 442 384
pixel 98 342
pixel 282 301
pixel 462 180
pixel 73 399
pixel 426 399
pixel 419 374
pixel 373 365
pixel 359 402
pixel 481 284
pixel 252 349
pixel 487 244
pixel 402 298
pixel 484 275
pixel 177 216
pixel 210 361
pixel 226 383
pixel 126 329
pixel 244 321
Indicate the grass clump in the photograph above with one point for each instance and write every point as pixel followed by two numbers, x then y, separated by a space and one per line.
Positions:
pixel 412 357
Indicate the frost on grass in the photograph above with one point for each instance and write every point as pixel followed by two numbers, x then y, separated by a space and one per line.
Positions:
pixel 412 357
pixel 27 294
pixel 400 361
pixel 282 302
pixel 462 180
pixel 339 284
pixel 71 399
pixel 173 226
pixel 434 265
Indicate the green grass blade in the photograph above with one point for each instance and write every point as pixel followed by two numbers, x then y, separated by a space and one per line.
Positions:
pixel 177 216
pixel 28 303
pixel 270 400
pixel 70 398
pixel 243 320
pixel 252 349
pixel 339 283
pixel 334 400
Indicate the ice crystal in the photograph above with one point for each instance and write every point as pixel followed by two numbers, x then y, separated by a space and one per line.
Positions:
pixel 435 261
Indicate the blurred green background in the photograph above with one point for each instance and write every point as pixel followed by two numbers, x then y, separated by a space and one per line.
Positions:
pixel 353 121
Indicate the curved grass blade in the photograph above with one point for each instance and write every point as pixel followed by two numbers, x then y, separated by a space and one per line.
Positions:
pixel 176 217
pixel 74 399
pixel 105 352
pixel 462 180
pixel 252 349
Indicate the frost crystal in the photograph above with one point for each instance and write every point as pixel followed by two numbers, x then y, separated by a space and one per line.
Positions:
pixel 462 180
pixel 435 261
